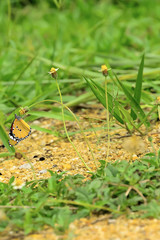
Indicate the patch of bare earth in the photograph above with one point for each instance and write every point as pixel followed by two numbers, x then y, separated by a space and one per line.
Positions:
pixel 41 151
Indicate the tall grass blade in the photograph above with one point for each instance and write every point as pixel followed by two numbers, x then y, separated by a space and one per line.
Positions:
pixel 134 104
pixel 56 114
pixel 99 92
pixel 6 154
pixel 138 87
pixel 54 133
pixel 81 99
pixel 21 73
pixel 4 139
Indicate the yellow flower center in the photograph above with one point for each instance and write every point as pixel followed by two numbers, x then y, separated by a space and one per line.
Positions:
pixel 53 70
pixel 104 68
pixel 18 182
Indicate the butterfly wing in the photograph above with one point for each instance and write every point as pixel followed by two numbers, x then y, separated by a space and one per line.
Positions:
pixel 19 129
pixel 12 142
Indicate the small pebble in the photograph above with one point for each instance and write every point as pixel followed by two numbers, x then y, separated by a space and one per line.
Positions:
pixel 18 155
pixel 43 171
pixel 25 165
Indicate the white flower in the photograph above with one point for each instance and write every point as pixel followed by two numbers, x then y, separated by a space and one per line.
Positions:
pixel 18 184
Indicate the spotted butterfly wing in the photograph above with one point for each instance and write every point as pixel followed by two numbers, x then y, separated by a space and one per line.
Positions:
pixel 19 129
pixel 12 142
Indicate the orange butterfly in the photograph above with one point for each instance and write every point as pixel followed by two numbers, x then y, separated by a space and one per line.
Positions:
pixel 12 142
pixel 19 131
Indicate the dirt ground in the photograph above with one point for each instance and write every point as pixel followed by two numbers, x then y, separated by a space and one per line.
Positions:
pixel 42 151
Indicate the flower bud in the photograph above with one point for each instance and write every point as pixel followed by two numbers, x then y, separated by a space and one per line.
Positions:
pixel 53 72
pixel 22 110
pixel 104 70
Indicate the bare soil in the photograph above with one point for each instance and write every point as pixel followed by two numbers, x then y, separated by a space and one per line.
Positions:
pixel 41 151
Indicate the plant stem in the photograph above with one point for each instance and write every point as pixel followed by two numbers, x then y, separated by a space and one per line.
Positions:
pixel 83 204
pixel 108 125
pixel 76 119
pixel 66 128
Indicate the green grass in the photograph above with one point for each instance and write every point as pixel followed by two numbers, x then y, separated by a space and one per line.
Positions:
pixel 125 117
pixel 78 37
pixel 131 189
pixel 38 36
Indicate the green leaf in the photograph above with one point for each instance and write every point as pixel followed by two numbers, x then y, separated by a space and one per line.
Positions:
pixel 100 94
pixel 54 133
pixel 127 118
pixel 7 154
pixel 4 139
pixel 135 106
pixel 56 114
pixel 138 87
pixel 80 99
pixel 11 180
pixel 147 115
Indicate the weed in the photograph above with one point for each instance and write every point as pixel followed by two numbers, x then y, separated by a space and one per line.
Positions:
pixel 119 188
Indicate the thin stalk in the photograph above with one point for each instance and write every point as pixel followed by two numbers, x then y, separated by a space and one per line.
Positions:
pixel 152 110
pixel 65 127
pixel 83 204
pixel 127 128
pixel 82 133
pixel 108 125
pixel 90 124
pixel 134 126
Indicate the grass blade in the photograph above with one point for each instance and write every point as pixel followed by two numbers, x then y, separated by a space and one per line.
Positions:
pixel 135 106
pixel 4 139
pixel 100 94
pixel 56 114
pixel 138 87
pixel 54 133
pixel 7 154
pixel 81 99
